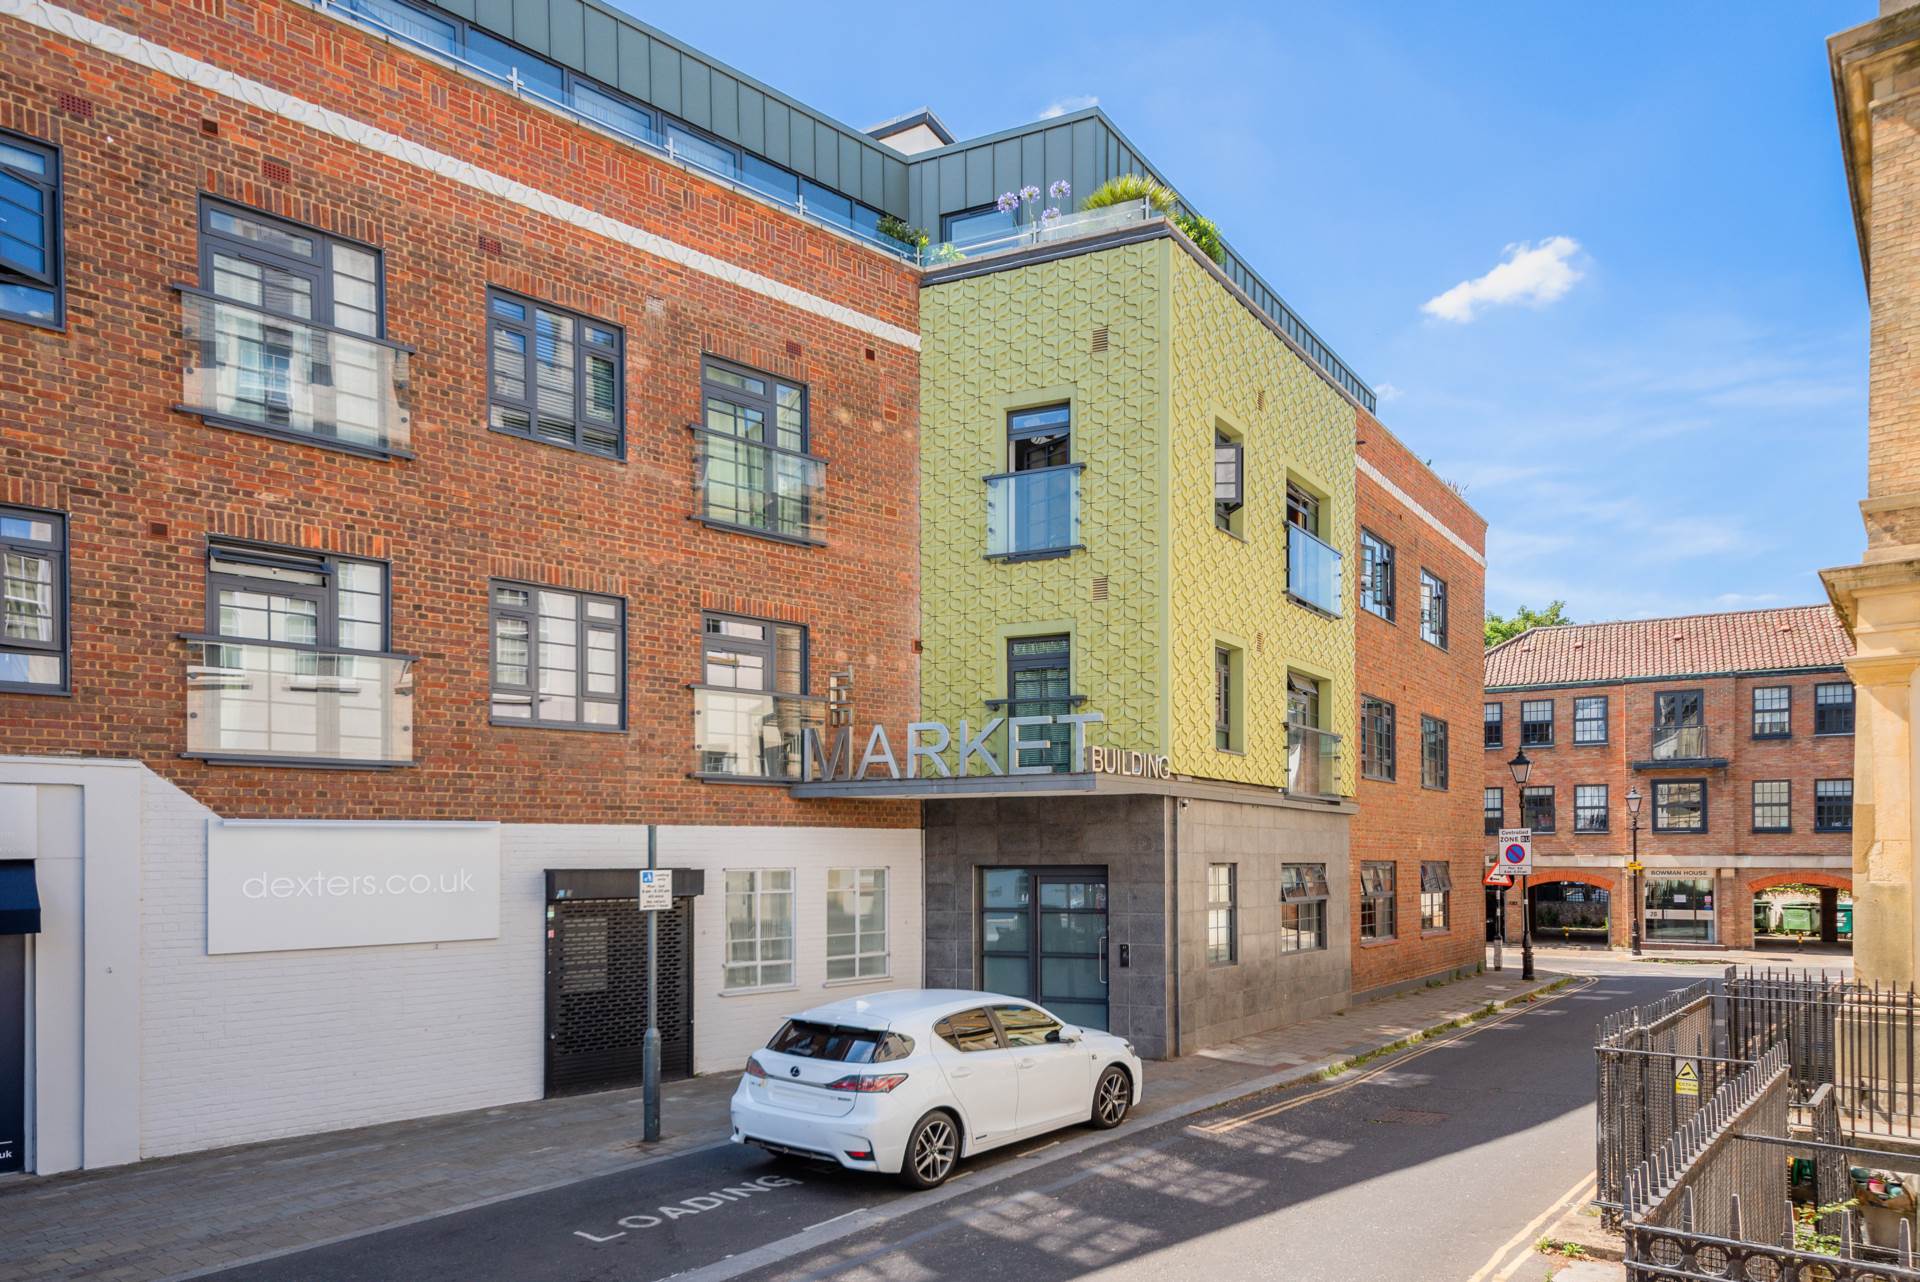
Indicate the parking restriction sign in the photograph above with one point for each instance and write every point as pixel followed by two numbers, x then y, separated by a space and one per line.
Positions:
pixel 1515 855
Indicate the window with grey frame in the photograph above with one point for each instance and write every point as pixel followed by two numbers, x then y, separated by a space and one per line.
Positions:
pixel 1772 712
pixel 1303 907
pixel 1536 723
pixel 1433 753
pixel 555 376
pixel 1222 929
pixel 751 709
pixel 1493 724
pixel 1772 805
pixel 1833 805
pixel 1590 719
pixel 1436 895
pixel 1536 807
pixel 1833 707
pixel 32 275
pixel 1493 810
pixel 1680 805
pixel 1376 575
pixel 1040 683
pixel 1433 609
pixel 1376 738
pixel 1033 507
pixel 1229 483
pixel 756 472
pixel 33 628
pixel 1378 917
pixel 1590 807
pixel 559 657
pixel 1224 698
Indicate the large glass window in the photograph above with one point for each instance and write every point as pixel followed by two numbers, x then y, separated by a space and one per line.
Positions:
pixel 1433 753
pixel 856 923
pixel 1433 609
pixel 1590 807
pixel 1222 937
pixel 1436 894
pixel 1536 723
pixel 291 271
pixel 559 658
pixel 553 376
pixel 30 267
pixel 1376 575
pixel 1833 805
pixel 1680 909
pixel 33 629
pixel 1376 738
pixel 1772 712
pixel 1493 718
pixel 1303 907
pixel 1590 719
pixel 1833 708
pixel 756 471
pixel 296 598
pixel 1006 931
pixel 1377 919
pixel 759 928
pixel 973 226
pixel 1493 809
pixel 1040 683
pixel 1772 805
pixel 1536 807
pixel 1680 805
pixel 749 714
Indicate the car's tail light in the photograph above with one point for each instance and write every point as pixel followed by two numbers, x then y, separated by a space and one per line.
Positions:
pixel 754 1069
pixel 867 1083
pixel 860 1154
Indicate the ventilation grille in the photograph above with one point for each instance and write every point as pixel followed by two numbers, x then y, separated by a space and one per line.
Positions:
pixel 490 245
pixel 1259 642
pixel 75 105
pixel 1260 399
pixel 1099 339
pixel 793 348
pixel 1099 587
pixel 276 171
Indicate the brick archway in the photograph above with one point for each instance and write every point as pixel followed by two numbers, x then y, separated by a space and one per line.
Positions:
pixel 1596 879
pixel 1609 882
pixel 1831 880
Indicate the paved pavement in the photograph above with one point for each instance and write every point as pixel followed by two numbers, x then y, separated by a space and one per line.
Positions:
pixel 192 1215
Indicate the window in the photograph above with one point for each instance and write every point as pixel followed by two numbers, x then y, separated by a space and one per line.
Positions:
pixel 856 923
pixel 1376 738
pixel 1376 575
pixel 759 928
pixel 1536 807
pixel 289 271
pixel 30 267
pixel 1229 483
pixel 1303 509
pixel 1433 609
pixel 553 376
pixel 1680 805
pixel 804 1039
pixel 1303 907
pixel 559 658
pixel 1679 725
pixel 1772 712
pixel 1590 719
pixel 1040 683
pixel 1039 438
pixel 1433 753
pixel 1833 805
pixel 33 629
pixel 1228 681
pixel 1833 708
pixel 1772 805
pixel 1026 1026
pixel 756 473
pixel 1376 901
pixel 748 714
pixel 1536 723
pixel 1493 808
pixel 1436 889
pixel 970 1030
pixel 1221 944
pixel 973 226
pixel 1590 807
pixel 308 600
pixel 1033 507
pixel 1493 718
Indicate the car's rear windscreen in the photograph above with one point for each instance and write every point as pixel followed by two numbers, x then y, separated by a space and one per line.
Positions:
pixel 808 1040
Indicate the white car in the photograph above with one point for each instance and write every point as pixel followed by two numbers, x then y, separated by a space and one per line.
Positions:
pixel 909 1082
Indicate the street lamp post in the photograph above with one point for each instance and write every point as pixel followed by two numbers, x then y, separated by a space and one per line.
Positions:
pixel 1633 866
pixel 1522 767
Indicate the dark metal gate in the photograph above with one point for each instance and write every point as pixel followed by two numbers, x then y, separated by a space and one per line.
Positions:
pixel 597 988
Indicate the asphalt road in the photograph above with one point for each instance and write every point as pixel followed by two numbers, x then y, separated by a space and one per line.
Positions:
pixel 1432 1164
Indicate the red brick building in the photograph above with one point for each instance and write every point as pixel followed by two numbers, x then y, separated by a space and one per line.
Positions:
pixel 1422 567
pixel 1736 731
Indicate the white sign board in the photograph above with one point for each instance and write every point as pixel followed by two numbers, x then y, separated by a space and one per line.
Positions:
pixel 275 886
pixel 1515 854
pixel 656 890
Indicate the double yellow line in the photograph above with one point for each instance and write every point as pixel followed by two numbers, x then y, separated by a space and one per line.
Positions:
pixel 1426 1047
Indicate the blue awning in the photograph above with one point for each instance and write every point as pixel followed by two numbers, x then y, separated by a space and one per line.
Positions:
pixel 19 898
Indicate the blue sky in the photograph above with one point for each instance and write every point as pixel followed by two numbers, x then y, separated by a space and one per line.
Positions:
pixel 1660 406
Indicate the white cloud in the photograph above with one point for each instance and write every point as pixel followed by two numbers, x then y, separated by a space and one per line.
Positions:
pixel 1387 392
pixel 1532 274
pixel 1063 106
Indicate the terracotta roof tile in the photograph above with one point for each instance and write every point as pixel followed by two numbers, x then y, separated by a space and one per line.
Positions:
pixel 1800 636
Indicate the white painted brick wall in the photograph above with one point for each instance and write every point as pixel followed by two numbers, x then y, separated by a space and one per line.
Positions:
pixel 249 1047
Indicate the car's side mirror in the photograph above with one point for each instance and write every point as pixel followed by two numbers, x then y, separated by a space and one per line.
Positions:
pixel 1064 1036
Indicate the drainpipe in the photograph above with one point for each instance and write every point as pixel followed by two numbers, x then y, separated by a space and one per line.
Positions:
pixel 1171 870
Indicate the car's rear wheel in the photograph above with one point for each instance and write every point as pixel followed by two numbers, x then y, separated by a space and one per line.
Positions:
pixel 1112 1097
pixel 933 1149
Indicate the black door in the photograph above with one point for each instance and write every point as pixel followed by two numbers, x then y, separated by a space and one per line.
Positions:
pixel 1044 937
pixel 13 1052
pixel 597 993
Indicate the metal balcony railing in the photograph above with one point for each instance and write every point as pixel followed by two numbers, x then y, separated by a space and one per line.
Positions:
pixel 262 701
pixel 1034 513
pixel 1313 571
pixel 751 734
pixel 292 378
pixel 758 487
pixel 1679 743
pixel 1313 761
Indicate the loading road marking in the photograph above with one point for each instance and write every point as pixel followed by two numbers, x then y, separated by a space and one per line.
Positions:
pixel 695 1205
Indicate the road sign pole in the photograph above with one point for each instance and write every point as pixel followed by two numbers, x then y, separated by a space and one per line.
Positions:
pixel 650 1049
pixel 1526 930
pixel 1500 928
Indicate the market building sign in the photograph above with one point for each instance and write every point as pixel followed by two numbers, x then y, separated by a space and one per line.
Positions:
pixel 950 751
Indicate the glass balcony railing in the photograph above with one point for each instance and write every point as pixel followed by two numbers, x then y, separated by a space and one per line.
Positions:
pixel 751 734
pixel 757 487
pixel 1313 571
pixel 249 700
pixel 1034 513
pixel 1313 761
pixel 291 377
pixel 1679 743
pixel 1037 231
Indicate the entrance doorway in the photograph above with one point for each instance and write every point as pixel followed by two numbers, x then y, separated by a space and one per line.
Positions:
pixel 1680 910
pixel 597 992
pixel 1043 936
pixel 13 1053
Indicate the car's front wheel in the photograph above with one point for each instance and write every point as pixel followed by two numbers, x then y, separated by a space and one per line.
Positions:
pixel 932 1152
pixel 1112 1097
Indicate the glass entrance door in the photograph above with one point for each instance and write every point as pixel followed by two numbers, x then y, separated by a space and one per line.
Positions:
pixel 1680 910
pixel 1043 936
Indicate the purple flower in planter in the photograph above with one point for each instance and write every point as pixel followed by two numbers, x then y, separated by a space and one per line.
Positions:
pixel 1047 217
pixel 1007 203
pixel 1061 189
pixel 1029 192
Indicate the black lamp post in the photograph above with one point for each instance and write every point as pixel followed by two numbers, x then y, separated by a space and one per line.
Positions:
pixel 1522 767
pixel 1633 866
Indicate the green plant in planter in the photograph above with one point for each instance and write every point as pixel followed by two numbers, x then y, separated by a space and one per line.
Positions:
pixel 1131 187
pixel 1204 235
pixel 907 234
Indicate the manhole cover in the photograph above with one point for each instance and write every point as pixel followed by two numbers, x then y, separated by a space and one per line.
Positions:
pixel 1409 1117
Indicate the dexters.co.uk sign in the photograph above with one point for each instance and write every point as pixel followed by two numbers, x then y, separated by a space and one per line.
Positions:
pixel 276 886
